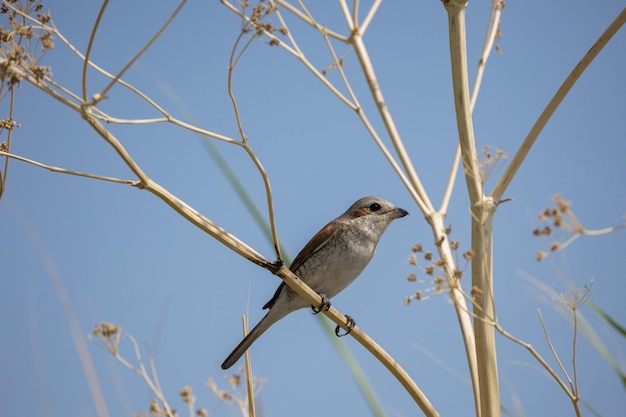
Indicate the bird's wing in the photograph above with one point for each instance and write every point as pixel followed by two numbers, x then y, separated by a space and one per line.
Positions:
pixel 313 246
pixel 309 249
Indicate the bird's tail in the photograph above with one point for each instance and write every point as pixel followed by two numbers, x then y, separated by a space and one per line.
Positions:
pixel 270 318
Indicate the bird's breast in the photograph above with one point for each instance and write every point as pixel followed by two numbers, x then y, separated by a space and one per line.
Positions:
pixel 336 264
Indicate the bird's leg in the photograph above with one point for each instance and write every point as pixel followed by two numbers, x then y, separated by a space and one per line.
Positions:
pixel 350 323
pixel 324 305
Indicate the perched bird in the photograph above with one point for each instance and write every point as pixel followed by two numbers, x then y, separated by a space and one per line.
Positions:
pixel 332 259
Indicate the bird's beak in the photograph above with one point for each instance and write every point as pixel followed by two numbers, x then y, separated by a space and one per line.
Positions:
pixel 396 213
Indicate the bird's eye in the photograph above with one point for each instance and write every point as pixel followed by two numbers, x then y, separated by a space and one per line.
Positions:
pixel 375 207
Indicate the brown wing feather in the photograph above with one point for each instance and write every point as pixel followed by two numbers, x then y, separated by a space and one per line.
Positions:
pixel 309 249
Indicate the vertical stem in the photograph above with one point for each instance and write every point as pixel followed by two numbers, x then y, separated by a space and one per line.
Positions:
pixel 462 105
pixel 486 387
pixel 484 310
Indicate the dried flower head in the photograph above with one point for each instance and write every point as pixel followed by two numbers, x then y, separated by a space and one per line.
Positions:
pixel 576 297
pixel 186 395
pixel 490 161
pixel 416 247
pixel 468 255
pixel 109 335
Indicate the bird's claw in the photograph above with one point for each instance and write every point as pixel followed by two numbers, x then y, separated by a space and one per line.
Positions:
pixel 324 305
pixel 350 323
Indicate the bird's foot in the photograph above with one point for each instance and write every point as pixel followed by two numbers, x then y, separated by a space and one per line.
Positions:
pixel 324 305
pixel 350 323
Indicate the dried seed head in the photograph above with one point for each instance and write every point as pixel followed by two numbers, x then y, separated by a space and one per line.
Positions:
pixel 186 395
pixel 154 408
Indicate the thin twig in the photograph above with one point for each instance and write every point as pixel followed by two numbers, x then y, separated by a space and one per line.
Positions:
pixel 573 390
pixel 249 382
pixel 92 39
pixel 53 168
pixel 307 19
pixel 5 170
pixel 370 15
pixel 553 351
pixel 574 349
pixel 102 94
pixel 554 103
pixel 368 71
pixel 234 57
pixel 537 356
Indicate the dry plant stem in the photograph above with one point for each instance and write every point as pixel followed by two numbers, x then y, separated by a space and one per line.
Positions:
pixel 307 19
pixel 445 201
pixel 244 139
pixel 92 39
pixel 490 38
pixel 554 353
pixel 152 382
pixel 574 367
pixel 356 106
pixel 487 395
pixel 5 170
pixel 377 95
pixel 102 94
pixel 74 100
pixel 423 202
pixel 484 309
pixel 220 234
pixel 68 171
pixel 436 220
pixel 370 15
pixel 353 104
pixel 543 363
pixel 312 297
pixel 460 84
pixel 293 51
pixel 182 208
pixel 492 29
pixel 249 384
pixel 537 356
pixel 554 103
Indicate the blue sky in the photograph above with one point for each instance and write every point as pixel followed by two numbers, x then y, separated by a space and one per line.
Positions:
pixel 125 257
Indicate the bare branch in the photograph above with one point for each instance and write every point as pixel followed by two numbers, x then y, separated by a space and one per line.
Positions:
pixel 70 172
pixel 397 371
pixel 554 103
pixel 92 38
pixel 102 94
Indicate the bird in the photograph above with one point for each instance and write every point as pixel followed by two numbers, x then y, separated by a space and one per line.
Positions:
pixel 328 263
